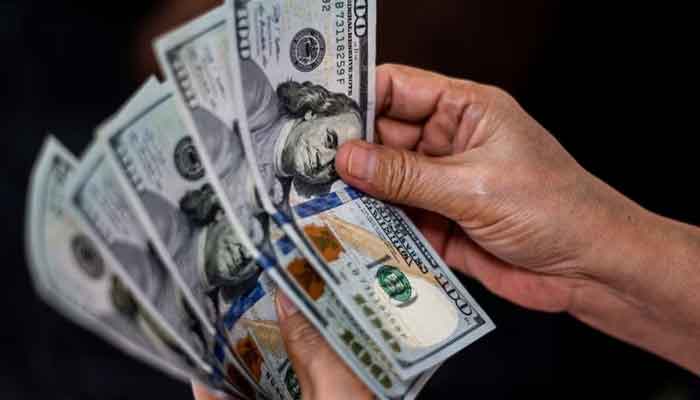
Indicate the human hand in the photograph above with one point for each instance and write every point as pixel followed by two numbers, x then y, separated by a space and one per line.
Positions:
pixel 493 191
pixel 321 373
pixel 501 200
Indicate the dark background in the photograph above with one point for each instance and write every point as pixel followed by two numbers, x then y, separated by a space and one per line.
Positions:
pixel 617 85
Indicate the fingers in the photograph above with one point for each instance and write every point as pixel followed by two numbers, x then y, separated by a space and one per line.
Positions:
pixel 523 287
pixel 398 134
pixel 300 338
pixel 405 177
pixel 442 112
pixel 321 373
pixel 408 94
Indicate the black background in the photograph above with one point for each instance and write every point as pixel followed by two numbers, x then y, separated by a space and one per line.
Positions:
pixel 617 85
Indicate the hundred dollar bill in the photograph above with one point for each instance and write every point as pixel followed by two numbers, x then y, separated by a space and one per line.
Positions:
pixel 389 271
pixel 158 165
pixel 153 155
pixel 223 234
pixel 307 74
pixel 70 274
pixel 98 204
pixel 341 331
pixel 270 75
pixel 189 58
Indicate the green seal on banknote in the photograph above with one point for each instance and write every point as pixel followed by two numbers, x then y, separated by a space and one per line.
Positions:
pixel 395 284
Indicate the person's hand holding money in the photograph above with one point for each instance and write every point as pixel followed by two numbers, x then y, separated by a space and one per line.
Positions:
pixel 502 201
pixel 321 373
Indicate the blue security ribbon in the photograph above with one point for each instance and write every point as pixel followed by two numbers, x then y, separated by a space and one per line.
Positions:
pixel 280 218
pixel 242 304
pixel 266 261
pixel 285 245
pixel 354 193
pixel 326 202
pixel 219 353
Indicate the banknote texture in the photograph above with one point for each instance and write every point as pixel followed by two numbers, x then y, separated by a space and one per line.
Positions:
pixel 207 194
pixel 157 164
pixel 196 60
pixel 381 260
pixel 337 325
pixel 71 274
pixel 306 73
pixel 98 203
pixel 303 98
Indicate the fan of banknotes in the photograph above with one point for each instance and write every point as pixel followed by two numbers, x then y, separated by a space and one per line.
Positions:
pixel 209 192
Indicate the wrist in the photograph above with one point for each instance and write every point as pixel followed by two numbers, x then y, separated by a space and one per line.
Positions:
pixel 643 282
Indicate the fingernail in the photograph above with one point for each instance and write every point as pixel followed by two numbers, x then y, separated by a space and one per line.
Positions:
pixel 361 162
pixel 285 307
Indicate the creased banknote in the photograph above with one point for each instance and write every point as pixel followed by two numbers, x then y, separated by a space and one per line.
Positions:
pixel 231 269
pixel 322 308
pixel 213 119
pixel 155 162
pixel 70 273
pixel 276 137
pixel 205 195
pixel 307 73
pixel 98 203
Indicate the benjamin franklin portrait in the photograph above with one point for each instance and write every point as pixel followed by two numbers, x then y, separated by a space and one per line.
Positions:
pixel 205 247
pixel 296 130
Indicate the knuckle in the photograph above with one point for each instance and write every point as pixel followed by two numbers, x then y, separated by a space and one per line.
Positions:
pixel 496 92
pixel 461 93
pixel 500 97
pixel 300 332
pixel 389 67
pixel 401 175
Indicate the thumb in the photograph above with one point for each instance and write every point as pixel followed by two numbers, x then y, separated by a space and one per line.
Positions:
pixel 402 177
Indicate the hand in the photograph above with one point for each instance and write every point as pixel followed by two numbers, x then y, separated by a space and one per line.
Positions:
pixel 321 373
pixel 502 201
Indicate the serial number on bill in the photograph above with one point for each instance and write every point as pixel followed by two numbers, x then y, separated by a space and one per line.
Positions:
pixel 342 41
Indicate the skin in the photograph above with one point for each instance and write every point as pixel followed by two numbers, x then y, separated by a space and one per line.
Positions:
pixel 502 201
pixel 309 152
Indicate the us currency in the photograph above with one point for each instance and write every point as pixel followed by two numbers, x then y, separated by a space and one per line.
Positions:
pixel 341 331
pixel 70 274
pixel 98 204
pixel 226 233
pixel 307 72
pixel 274 125
pixel 207 92
pixel 152 153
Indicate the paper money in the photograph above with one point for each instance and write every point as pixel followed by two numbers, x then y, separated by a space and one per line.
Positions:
pixel 211 115
pixel 205 195
pixel 307 76
pixel 387 268
pixel 99 205
pixel 266 145
pixel 156 164
pixel 71 275
pixel 195 59
pixel 315 298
